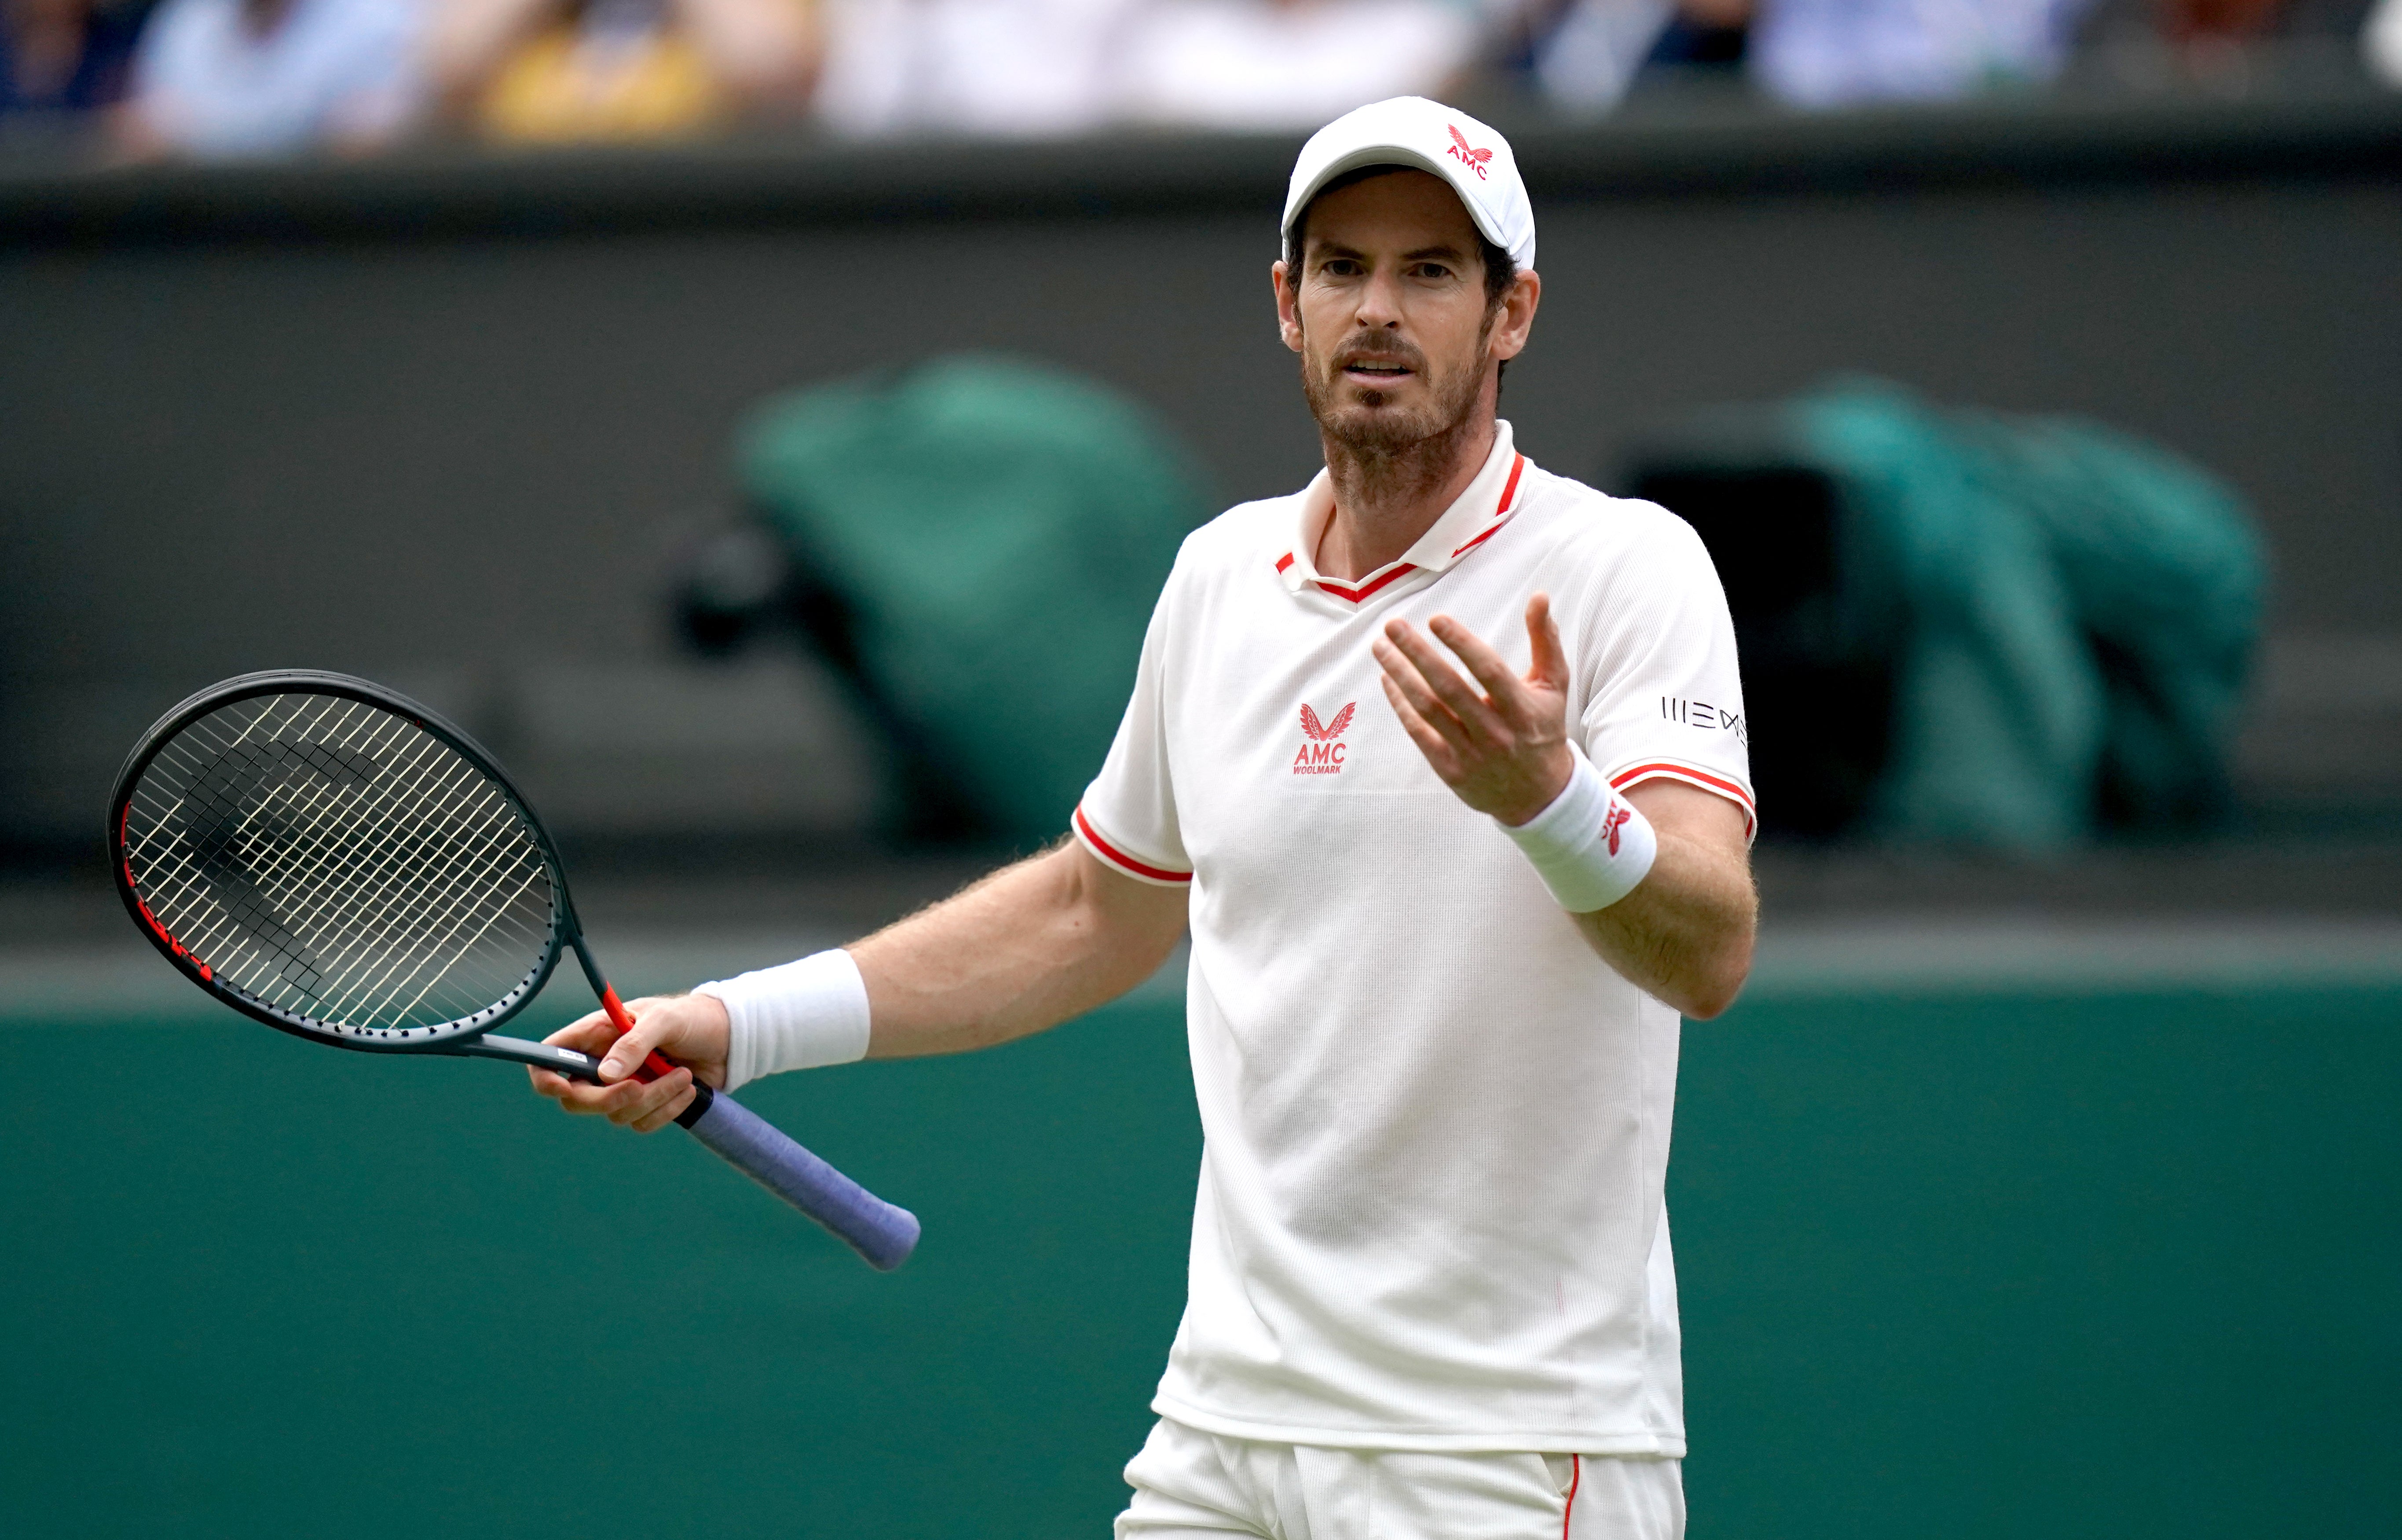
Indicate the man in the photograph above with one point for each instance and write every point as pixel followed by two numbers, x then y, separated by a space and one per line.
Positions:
pixel 1445 906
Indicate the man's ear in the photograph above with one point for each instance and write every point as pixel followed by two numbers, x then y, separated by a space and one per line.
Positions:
pixel 1287 306
pixel 1517 322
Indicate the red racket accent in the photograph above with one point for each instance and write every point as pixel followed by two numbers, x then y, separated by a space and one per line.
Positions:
pixel 654 1067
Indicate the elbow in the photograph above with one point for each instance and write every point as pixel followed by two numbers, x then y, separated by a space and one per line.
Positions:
pixel 1706 1001
pixel 1711 987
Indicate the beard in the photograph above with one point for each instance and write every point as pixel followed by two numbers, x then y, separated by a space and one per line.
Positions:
pixel 1381 439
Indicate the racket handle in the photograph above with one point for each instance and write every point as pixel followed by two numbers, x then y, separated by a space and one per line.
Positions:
pixel 880 1232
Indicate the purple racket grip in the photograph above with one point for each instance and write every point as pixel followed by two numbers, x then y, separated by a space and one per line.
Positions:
pixel 882 1233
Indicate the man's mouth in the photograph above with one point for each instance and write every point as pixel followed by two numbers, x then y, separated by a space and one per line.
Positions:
pixel 1382 371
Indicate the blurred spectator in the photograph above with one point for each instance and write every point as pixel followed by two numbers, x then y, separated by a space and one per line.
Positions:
pixel 1010 67
pixel 2219 43
pixel 2381 42
pixel 61 58
pixel 1266 64
pixel 1587 54
pixel 1824 53
pixel 243 77
pixel 561 70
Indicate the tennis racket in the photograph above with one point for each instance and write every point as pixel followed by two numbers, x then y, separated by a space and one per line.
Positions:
pixel 338 861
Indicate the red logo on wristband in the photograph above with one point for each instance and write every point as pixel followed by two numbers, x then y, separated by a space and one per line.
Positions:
pixel 1613 821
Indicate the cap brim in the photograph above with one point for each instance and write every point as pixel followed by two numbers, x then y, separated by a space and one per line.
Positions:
pixel 1401 158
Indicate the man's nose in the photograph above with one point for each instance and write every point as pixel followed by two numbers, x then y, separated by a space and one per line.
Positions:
pixel 1380 300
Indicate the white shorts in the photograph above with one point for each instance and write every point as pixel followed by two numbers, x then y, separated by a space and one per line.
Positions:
pixel 1190 1485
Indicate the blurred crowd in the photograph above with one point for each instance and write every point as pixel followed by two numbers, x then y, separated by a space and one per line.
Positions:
pixel 261 77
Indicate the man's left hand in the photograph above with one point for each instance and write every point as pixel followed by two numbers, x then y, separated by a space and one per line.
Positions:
pixel 1498 740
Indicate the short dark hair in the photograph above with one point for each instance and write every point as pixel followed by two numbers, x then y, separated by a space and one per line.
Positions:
pixel 1500 269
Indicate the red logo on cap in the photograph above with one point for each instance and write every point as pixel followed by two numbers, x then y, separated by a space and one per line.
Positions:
pixel 1459 150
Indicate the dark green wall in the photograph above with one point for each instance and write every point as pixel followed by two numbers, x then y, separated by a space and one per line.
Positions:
pixel 431 418
pixel 2119 1266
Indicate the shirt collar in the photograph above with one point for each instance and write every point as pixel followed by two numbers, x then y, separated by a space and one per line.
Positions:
pixel 1482 508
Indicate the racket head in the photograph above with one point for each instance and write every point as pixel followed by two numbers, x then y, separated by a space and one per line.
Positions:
pixel 332 859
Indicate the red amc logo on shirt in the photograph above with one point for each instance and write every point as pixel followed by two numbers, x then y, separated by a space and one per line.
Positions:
pixel 1321 753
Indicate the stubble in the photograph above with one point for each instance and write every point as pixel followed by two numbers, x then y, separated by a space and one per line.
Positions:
pixel 1375 453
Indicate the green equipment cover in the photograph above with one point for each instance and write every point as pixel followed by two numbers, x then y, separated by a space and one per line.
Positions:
pixel 2064 616
pixel 997 531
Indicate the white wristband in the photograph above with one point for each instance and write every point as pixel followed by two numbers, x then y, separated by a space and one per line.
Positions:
pixel 796 1016
pixel 1591 846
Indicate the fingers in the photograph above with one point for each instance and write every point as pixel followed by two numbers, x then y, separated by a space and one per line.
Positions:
pixel 1439 752
pixel 625 1054
pixel 1433 685
pixel 671 1095
pixel 1504 691
pixel 1551 667
pixel 617 1093
pixel 1407 688
pixel 644 1107
pixel 585 1034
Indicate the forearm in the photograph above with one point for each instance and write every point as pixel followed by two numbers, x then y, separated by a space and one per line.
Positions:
pixel 1685 934
pixel 1028 947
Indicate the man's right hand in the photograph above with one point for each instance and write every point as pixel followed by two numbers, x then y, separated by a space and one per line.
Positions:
pixel 690 1029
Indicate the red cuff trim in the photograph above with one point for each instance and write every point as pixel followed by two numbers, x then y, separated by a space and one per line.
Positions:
pixel 1732 790
pixel 1117 858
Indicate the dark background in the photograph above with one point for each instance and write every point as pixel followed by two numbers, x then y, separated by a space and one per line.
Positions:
pixel 446 422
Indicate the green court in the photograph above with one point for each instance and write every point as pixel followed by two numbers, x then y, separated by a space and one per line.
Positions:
pixel 1974 1265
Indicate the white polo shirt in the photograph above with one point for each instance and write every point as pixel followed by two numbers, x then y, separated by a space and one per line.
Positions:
pixel 1435 1123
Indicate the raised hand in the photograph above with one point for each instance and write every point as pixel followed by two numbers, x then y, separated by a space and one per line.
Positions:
pixel 1497 739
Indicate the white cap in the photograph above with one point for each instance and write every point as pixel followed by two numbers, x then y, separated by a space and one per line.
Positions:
pixel 1411 131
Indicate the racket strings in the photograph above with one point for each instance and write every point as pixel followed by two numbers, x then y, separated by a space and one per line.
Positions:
pixel 338 861
pixel 297 882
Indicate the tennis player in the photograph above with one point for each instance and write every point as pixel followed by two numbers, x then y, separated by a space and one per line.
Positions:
pixel 1441 761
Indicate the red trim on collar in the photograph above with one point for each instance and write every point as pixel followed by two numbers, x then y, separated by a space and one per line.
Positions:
pixel 1509 491
pixel 1350 595
pixel 1478 540
pixel 1354 596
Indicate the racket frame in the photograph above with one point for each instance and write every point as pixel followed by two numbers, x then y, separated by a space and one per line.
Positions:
pixel 464 1036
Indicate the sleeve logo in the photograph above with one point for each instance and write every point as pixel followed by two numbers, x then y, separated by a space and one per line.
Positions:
pixel 1476 160
pixel 1321 748
pixel 1703 714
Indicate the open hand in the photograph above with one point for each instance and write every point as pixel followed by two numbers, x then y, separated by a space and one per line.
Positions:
pixel 691 1029
pixel 1503 747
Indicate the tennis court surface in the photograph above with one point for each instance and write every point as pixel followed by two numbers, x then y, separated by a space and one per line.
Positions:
pixel 1962 1254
